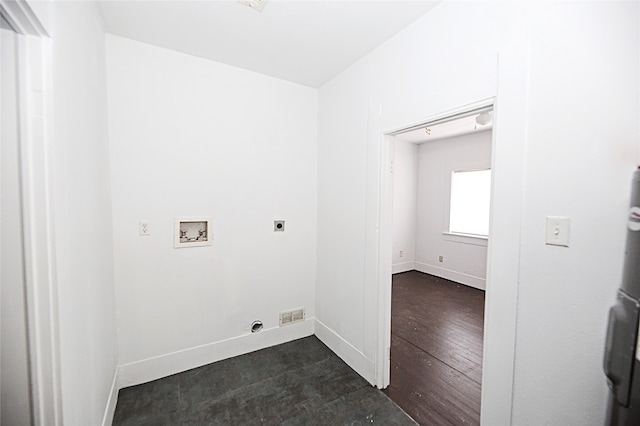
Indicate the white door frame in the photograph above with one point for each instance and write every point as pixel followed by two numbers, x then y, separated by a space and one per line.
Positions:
pixel 386 220
pixel 507 90
pixel 34 71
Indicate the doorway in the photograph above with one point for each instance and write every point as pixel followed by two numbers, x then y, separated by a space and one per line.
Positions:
pixel 441 192
pixel 508 90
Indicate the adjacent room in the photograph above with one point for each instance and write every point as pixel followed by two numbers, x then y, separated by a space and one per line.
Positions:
pixel 441 215
pixel 229 205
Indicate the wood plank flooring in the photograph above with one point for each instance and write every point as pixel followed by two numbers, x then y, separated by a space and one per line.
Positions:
pixel 436 349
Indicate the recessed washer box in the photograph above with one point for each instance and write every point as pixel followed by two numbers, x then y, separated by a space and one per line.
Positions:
pixel 193 231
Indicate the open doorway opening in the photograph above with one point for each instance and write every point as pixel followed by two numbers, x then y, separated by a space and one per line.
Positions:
pixel 441 187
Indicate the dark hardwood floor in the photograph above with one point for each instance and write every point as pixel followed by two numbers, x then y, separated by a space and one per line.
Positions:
pixel 436 349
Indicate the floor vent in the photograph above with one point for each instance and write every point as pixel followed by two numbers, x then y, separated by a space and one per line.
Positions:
pixel 291 317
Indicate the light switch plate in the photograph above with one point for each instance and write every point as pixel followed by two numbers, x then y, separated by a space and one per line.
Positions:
pixel 558 231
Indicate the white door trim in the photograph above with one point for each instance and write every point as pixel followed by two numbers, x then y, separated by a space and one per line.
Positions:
pixel 20 16
pixel 386 226
pixel 507 91
pixel 503 257
pixel 35 114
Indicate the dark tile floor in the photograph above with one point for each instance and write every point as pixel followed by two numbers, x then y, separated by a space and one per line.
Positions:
pixel 296 383
pixel 436 349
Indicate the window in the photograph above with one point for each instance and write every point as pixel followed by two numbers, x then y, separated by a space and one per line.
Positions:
pixel 469 207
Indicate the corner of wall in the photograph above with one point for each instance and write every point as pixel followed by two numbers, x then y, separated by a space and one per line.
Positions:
pixel 110 408
pixel 347 352
pixel 449 274
pixel 403 267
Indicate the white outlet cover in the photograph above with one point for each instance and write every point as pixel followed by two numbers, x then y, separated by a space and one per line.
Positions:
pixel 144 227
pixel 558 231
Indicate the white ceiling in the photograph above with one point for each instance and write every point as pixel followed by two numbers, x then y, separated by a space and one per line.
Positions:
pixel 302 41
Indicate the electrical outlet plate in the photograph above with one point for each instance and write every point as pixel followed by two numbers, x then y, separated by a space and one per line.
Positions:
pixel 278 225
pixel 144 227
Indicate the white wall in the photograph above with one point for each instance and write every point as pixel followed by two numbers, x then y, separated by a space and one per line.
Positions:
pixel 405 181
pixel 452 46
pixel 195 137
pixel 82 203
pixel 464 258
pixel 583 64
pixel 584 173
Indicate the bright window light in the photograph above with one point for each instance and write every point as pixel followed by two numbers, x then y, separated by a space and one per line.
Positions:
pixel 470 195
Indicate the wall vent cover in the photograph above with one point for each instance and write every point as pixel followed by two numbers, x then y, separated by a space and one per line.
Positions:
pixel 290 317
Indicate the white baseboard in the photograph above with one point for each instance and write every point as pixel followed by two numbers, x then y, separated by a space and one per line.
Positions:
pixel 348 353
pixel 403 267
pixel 154 368
pixel 459 277
pixel 107 419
